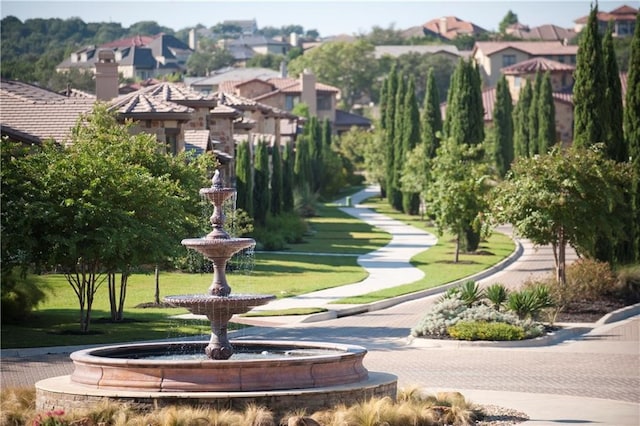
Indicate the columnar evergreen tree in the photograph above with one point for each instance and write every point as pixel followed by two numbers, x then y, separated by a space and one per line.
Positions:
pixel 632 135
pixel 533 116
pixel 589 87
pixel 314 136
pixel 452 98
pixel 503 127
pixel 431 119
pixel 521 138
pixel 288 160
pixel 411 138
pixel 616 147
pixel 465 118
pixel 389 126
pixel 327 134
pixel 244 178
pixel 398 151
pixel 302 164
pixel 465 113
pixel 261 194
pixel 382 134
pixel 546 116
pixel 276 180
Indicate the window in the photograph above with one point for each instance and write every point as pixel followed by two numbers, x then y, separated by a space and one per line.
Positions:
pixel 517 81
pixel 171 140
pixel 290 101
pixel 508 60
pixel 323 103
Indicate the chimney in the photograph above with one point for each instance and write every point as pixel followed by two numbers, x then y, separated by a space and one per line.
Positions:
pixel 293 39
pixel 443 25
pixel 308 95
pixel 192 39
pixel 106 76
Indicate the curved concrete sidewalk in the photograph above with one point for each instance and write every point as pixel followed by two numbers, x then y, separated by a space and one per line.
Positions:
pixel 387 267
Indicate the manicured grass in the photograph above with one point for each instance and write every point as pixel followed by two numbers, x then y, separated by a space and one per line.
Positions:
pixel 56 321
pixel 437 262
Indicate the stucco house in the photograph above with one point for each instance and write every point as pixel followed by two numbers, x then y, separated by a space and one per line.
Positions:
pixel 139 57
pixel 492 56
pixel 623 19
pixel 449 27
pixel 546 32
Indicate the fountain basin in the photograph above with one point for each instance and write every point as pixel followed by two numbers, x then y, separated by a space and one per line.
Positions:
pixel 218 247
pixel 207 304
pixel 136 367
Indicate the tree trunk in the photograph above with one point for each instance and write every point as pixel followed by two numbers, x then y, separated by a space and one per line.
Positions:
pixel 457 248
pixel 157 295
pixel 561 267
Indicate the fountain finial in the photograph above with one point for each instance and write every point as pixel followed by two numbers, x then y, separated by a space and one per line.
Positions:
pixel 216 180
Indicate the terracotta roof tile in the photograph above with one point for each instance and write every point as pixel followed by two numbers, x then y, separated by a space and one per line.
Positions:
pixel 533 48
pixel 454 27
pixel 622 13
pixel 537 64
pixel 144 103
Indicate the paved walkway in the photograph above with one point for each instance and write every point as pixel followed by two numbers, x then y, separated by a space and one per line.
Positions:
pixel 592 377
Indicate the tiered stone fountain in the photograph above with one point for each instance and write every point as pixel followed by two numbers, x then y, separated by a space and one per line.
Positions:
pixel 278 374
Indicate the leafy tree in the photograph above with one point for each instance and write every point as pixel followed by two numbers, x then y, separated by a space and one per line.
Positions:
pixel 269 60
pixel 616 147
pixel 261 195
pixel 521 139
pixel 351 67
pixel 410 139
pixel 244 178
pixel 379 36
pixel 456 196
pixel 503 128
pixel 201 63
pixel 589 87
pixel 374 156
pixel 546 116
pixel 276 180
pixel 288 159
pixel 509 19
pixel 563 198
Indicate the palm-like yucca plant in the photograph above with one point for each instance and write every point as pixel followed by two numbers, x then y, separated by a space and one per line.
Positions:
pixel 528 303
pixel 471 293
pixel 497 294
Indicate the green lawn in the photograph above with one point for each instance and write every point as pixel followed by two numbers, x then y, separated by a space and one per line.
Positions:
pixel 282 274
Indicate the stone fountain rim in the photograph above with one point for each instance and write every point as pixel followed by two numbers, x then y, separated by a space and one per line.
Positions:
pixel 90 355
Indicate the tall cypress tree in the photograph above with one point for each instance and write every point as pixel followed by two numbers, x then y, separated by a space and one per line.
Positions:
pixel 398 151
pixel 314 137
pixel 261 194
pixel 616 147
pixel 465 114
pixel 503 127
pixel 302 164
pixel 392 89
pixel 589 87
pixel 546 116
pixel 327 134
pixel 521 122
pixel 431 119
pixel 276 180
pixel 288 160
pixel 533 116
pixel 632 135
pixel 452 98
pixel 411 138
pixel 244 178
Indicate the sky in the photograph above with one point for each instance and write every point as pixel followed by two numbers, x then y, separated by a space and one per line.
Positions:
pixel 327 17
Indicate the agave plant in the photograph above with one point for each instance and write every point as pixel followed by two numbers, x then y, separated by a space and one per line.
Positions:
pixel 497 294
pixel 471 293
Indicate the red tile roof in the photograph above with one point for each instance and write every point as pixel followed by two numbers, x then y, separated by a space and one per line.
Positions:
pixel 537 64
pixel 547 32
pixel 533 48
pixel 137 40
pixel 454 27
pixel 622 13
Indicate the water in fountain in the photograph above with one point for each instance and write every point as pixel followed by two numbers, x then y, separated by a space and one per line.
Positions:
pixel 217 246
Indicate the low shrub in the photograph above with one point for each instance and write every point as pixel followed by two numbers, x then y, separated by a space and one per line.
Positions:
pixel 482 330
pixel 628 283
pixel 588 280
pixel 19 295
